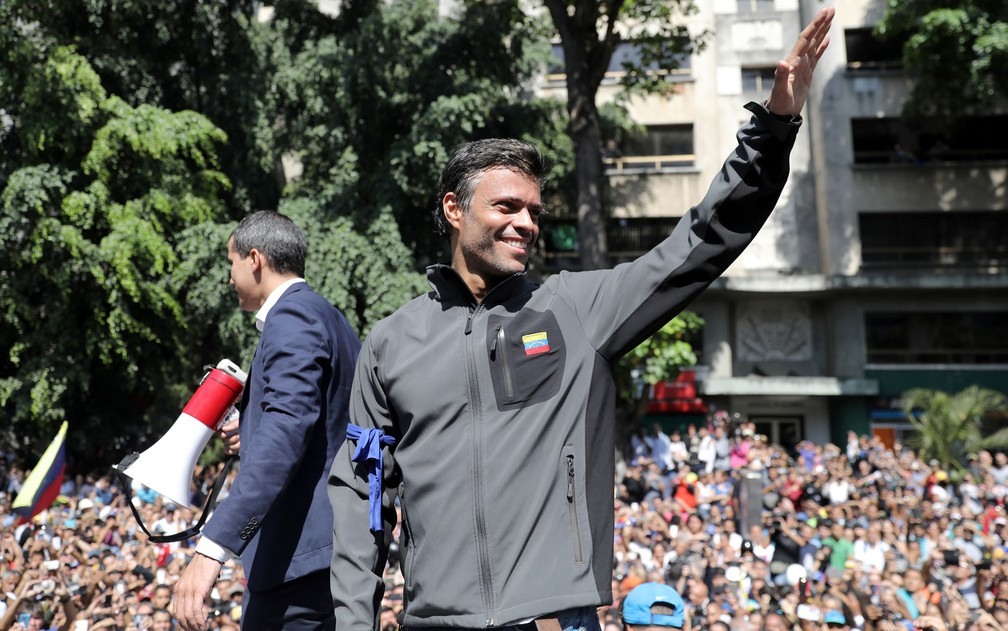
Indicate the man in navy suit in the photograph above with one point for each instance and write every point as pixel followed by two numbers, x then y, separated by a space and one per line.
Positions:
pixel 293 418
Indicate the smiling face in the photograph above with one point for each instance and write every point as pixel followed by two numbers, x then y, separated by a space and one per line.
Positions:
pixel 492 238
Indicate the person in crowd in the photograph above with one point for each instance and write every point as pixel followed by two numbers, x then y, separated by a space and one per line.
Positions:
pixel 660 446
pixel 692 441
pixel 722 448
pixel 787 543
pixel 651 606
pixel 1000 469
pixel 869 550
pixel 641 450
pixel 679 449
pixel 707 449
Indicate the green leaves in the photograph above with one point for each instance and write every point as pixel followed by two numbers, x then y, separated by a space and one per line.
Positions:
pixel 65 89
pixel 658 358
pixel 664 353
pixel 957 54
pixel 97 193
pixel 989 67
pixel 169 158
pixel 373 103
pixel 367 272
pixel 951 426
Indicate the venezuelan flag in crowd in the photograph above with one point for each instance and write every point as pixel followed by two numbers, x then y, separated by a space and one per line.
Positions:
pixel 42 486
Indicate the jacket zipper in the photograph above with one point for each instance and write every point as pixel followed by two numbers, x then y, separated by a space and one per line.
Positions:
pixel 479 516
pixel 572 510
pixel 475 403
pixel 469 319
pixel 504 366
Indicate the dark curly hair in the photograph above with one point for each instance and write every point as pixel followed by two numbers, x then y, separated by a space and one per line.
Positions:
pixel 467 162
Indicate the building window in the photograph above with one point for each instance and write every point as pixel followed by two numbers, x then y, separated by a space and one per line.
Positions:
pixel 659 147
pixel 959 239
pixel 628 54
pixel 892 140
pixel 626 237
pixel 865 51
pixel 633 236
pixel 625 54
pixel 755 6
pixel 936 338
pixel 758 80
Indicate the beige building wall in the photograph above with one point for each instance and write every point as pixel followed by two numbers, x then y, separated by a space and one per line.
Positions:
pixel 785 328
pixel 846 189
pixel 712 101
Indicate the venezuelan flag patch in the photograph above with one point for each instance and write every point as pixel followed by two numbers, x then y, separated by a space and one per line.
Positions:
pixel 536 343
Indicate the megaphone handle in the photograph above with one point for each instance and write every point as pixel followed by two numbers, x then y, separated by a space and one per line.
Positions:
pixel 207 368
pixel 193 530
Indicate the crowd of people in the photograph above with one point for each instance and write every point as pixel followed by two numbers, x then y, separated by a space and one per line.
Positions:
pixel 853 536
pixel 856 536
pixel 84 564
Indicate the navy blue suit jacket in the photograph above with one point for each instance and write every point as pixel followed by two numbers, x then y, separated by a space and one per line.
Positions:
pixel 293 419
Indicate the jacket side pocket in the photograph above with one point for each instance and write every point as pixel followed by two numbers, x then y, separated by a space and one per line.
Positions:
pixel 570 467
pixel 406 541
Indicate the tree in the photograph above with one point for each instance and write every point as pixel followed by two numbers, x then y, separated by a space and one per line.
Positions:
pixel 243 74
pixel 956 52
pixel 207 57
pixel 134 134
pixel 94 191
pixel 589 32
pixel 122 214
pixel 658 358
pixel 952 426
pixel 375 103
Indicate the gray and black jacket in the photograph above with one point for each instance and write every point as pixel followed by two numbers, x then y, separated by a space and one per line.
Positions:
pixel 503 412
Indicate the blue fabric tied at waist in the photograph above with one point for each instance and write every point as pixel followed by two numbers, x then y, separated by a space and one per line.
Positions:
pixel 368 452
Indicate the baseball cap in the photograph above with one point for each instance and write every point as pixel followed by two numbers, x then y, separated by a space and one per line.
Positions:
pixel 637 606
pixel 834 616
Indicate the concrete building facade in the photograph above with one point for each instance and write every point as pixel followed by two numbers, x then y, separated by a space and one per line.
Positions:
pixel 885 264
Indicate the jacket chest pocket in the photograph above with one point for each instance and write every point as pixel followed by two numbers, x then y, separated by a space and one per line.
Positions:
pixel 527 355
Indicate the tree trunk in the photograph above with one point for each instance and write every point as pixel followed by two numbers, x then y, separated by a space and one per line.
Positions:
pixel 585 61
pixel 584 131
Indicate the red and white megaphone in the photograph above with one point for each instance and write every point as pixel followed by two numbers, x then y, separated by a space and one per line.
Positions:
pixel 167 466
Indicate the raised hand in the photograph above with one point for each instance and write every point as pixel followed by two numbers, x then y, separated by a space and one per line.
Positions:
pixel 793 77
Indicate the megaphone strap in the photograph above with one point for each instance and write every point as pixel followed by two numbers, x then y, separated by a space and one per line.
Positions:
pixel 193 530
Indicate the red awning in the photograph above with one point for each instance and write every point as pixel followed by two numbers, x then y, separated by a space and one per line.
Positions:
pixel 678 396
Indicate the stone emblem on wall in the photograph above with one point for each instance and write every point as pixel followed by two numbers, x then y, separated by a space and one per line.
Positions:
pixel 774 331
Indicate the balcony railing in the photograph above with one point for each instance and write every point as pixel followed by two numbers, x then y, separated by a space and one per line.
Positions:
pixel 957 257
pixel 642 164
pixel 614 77
pixel 937 356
